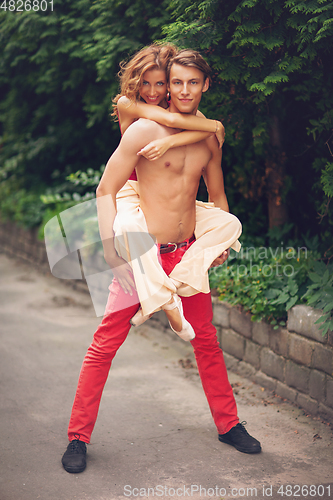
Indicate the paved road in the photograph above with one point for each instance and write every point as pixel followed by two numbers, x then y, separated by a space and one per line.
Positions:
pixel 154 436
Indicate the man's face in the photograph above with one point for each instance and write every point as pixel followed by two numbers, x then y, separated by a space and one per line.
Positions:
pixel 186 86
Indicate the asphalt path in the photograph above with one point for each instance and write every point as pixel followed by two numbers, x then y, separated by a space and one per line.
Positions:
pixel 154 436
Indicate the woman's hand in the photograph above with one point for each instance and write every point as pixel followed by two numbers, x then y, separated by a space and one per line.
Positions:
pixel 220 133
pixel 122 272
pixel 221 258
pixel 155 149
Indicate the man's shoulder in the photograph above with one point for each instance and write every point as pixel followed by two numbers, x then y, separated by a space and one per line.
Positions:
pixel 143 125
pixel 146 124
pixel 141 132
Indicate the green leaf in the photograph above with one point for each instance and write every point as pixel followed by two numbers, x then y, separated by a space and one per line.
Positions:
pixel 322 318
pixel 281 299
pixel 326 277
pixel 315 277
pixel 324 328
pixel 327 308
pixel 293 287
pixel 291 303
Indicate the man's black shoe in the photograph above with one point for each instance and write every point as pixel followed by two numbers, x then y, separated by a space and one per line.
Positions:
pixel 241 439
pixel 74 458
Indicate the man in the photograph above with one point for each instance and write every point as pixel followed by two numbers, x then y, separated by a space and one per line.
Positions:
pixel 168 186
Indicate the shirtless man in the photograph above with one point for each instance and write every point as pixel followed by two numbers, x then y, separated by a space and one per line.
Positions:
pixel 168 188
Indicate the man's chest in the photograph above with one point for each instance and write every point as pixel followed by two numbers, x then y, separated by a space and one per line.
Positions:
pixel 185 160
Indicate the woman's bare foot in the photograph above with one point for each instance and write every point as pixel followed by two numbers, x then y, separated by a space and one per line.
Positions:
pixel 139 318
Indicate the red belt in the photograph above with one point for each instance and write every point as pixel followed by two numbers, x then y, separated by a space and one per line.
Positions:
pixel 172 247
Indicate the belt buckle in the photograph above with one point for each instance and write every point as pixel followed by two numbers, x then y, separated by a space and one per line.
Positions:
pixel 175 247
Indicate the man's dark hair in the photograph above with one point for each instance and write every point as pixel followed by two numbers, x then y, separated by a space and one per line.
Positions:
pixel 192 58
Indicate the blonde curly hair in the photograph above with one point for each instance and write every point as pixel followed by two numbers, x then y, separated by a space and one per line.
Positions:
pixel 131 73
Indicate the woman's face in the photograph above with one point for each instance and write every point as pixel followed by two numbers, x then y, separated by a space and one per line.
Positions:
pixel 154 86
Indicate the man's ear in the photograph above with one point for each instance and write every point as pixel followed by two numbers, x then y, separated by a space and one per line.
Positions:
pixel 205 85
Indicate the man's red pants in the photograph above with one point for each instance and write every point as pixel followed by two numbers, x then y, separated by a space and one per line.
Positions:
pixel 113 331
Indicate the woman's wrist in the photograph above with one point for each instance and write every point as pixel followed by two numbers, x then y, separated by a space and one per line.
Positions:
pixel 215 126
pixel 169 141
pixel 219 126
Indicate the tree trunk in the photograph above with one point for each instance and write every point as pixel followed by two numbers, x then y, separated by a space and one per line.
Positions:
pixel 275 176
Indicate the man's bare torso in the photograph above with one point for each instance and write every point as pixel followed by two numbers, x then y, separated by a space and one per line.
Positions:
pixel 168 188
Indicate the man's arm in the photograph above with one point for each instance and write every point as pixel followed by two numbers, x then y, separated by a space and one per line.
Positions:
pixel 213 176
pixel 118 169
pixel 214 181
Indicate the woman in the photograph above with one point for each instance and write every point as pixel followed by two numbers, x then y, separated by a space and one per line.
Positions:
pixel 143 95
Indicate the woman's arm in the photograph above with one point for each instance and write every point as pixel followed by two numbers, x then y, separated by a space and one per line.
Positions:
pixel 129 111
pixel 157 148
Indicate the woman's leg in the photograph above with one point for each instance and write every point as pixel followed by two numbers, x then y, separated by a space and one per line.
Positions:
pixel 215 231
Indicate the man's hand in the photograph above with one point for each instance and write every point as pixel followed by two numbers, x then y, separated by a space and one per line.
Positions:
pixel 221 259
pixel 122 272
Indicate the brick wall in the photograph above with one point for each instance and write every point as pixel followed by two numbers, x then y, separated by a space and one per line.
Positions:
pixel 22 243
pixel 295 362
pixel 16 241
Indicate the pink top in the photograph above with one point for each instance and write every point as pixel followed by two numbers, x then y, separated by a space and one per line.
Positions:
pixel 133 176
